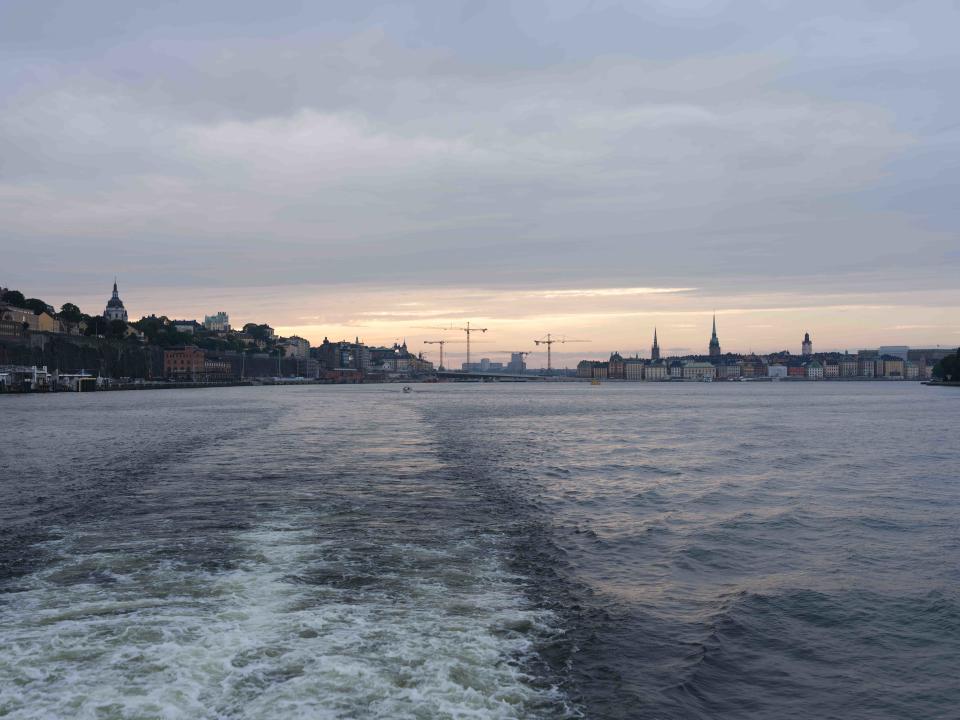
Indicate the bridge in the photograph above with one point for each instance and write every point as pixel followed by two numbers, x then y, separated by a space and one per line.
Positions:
pixel 473 376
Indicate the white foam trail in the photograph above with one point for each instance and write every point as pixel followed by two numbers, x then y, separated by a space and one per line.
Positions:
pixel 151 639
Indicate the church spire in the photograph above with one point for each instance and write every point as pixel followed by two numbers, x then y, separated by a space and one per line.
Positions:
pixel 655 350
pixel 714 341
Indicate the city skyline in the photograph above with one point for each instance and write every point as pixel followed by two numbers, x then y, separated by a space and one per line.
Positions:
pixel 694 324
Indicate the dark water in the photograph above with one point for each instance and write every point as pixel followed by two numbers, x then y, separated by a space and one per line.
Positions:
pixel 631 551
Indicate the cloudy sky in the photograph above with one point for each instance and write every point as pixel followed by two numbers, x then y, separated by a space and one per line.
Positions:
pixel 587 168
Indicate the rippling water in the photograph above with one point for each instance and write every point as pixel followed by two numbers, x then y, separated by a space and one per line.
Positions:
pixel 488 551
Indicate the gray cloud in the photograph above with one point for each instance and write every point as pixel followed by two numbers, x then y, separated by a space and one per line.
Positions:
pixel 717 145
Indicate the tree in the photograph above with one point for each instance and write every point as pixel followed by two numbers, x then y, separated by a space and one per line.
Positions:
pixel 948 368
pixel 70 313
pixel 117 329
pixel 14 297
pixel 95 325
pixel 258 332
pixel 38 306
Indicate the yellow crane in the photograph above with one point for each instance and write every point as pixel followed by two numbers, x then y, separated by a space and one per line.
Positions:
pixel 549 340
pixel 441 343
pixel 468 330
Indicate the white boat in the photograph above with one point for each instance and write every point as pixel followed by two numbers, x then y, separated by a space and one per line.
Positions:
pixel 407 389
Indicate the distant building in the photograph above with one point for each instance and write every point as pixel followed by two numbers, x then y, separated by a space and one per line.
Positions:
pixel 806 347
pixel 217 323
pixel 344 355
pixel 517 364
pixel 655 348
pixel 616 368
pixel 296 347
pixel 698 370
pixel 115 309
pixel 714 341
pixel 893 366
pixel 16 320
pixel 633 369
pixel 813 370
pixel 848 366
pixel 729 370
pixel 186 326
pixel 655 372
pixel 777 371
pixel 183 363
pixel 831 369
pixel 900 351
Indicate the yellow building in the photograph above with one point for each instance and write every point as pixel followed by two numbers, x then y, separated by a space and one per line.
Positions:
pixel 44 322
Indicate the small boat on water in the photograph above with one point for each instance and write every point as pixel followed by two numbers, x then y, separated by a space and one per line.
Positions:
pixel 407 389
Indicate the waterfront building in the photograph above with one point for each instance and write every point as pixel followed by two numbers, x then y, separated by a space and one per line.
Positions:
pixel 729 370
pixel 911 370
pixel 813 370
pixel 752 366
pixel 217 369
pixel 18 378
pixel 616 369
pixel 695 370
pixel 218 322
pixel 806 347
pixel 714 341
pixel 848 366
pixel 633 369
pixel 115 309
pixel 676 370
pixel 831 369
pixel 655 372
pixel 655 348
pixel 185 362
pixel 776 370
pixel 600 370
pixel 893 366
pixel 343 355
pixel 585 369
pixel 866 367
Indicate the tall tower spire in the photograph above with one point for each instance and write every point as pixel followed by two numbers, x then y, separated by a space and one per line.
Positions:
pixel 714 340
pixel 655 350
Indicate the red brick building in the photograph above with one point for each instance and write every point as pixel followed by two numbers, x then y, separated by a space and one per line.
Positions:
pixel 184 363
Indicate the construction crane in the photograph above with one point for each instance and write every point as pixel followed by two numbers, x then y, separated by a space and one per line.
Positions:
pixel 441 343
pixel 549 340
pixel 468 330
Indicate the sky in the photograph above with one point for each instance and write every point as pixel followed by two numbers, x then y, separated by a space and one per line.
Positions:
pixel 589 169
